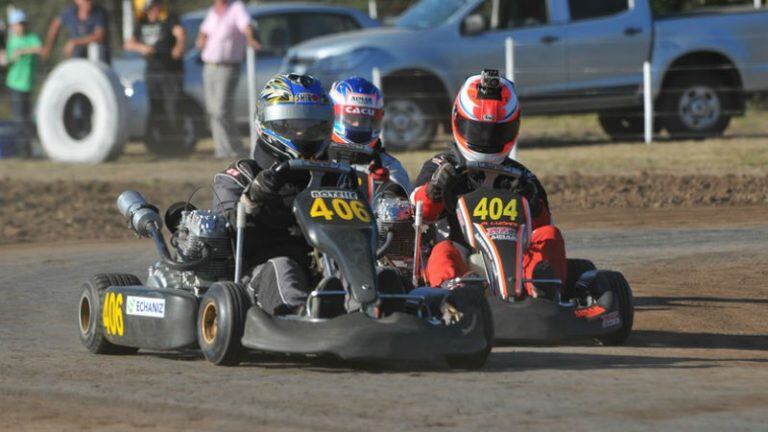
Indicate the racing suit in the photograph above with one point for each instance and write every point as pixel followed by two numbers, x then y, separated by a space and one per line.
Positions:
pixel 447 259
pixel 274 248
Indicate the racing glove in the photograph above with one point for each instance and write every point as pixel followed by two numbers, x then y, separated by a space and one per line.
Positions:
pixel 444 178
pixel 378 172
pixel 265 186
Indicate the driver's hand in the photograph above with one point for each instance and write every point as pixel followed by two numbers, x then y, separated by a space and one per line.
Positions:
pixel 444 178
pixel 266 185
pixel 378 172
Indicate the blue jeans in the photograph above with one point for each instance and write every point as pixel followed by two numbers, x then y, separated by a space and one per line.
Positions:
pixel 21 112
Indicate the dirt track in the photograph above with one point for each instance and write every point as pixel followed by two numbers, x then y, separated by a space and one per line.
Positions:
pixel 697 359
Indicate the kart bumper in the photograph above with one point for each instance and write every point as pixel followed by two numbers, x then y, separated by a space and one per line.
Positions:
pixel 357 337
pixel 540 320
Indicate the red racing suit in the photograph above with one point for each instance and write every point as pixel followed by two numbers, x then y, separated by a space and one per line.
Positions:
pixel 445 261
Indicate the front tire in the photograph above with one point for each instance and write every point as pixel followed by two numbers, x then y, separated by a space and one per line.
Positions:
pixel 472 298
pixel 616 283
pixel 695 106
pixel 220 323
pixel 91 329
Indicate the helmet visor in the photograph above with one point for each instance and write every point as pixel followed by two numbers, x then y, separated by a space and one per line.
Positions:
pixel 308 135
pixel 361 125
pixel 487 137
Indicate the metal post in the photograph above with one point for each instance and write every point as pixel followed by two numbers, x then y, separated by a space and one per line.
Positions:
pixel 758 4
pixel 648 102
pixel 376 77
pixel 93 52
pixel 417 226
pixel 373 9
pixel 509 45
pixel 127 19
pixel 240 239
pixel 250 59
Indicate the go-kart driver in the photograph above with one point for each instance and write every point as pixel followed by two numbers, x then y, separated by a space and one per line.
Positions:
pixel 293 121
pixel 485 123
pixel 359 111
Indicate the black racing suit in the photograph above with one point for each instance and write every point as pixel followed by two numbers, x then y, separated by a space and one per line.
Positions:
pixel 274 246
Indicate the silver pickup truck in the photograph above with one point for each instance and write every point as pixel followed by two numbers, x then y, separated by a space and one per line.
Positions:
pixel 570 56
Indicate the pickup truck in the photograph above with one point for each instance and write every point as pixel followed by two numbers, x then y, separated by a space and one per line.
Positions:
pixel 570 56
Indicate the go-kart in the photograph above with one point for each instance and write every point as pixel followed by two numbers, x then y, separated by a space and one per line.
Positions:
pixel 196 298
pixel 496 224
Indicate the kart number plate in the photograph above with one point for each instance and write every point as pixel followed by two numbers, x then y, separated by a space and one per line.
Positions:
pixel 342 209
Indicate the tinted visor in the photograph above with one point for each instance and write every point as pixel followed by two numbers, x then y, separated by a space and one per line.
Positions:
pixel 487 137
pixel 361 125
pixel 308 135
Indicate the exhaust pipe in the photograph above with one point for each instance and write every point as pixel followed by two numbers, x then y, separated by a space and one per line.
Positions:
pixel 141 215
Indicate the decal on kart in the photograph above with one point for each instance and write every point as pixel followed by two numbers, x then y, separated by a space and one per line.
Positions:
pixel 589 312
pixel 112 314
pixel 611 319
pixel 344 209
pixel 495 209
pixel 145 306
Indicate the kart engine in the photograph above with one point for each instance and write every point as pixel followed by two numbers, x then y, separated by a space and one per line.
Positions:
pixel 394 220
pixel 201 236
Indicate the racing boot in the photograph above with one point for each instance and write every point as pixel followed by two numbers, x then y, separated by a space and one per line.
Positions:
pixel 326 306
pixel 543 272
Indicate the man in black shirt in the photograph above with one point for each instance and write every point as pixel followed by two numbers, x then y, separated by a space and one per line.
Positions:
pixel 160 38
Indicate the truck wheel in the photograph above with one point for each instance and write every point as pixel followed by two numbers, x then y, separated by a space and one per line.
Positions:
pixel 82 113
pixel 695 106
pixel 409 124
pixel 473 298
pixel 89 321
pixel 220 322
pixel 615 282
pixel 163 139
pixel 576 267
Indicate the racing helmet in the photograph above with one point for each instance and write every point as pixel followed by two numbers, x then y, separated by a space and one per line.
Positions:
pixel 294 117
pixel 359 110
pixel 486 118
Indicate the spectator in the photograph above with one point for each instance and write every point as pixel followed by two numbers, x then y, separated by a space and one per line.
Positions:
pixel 223 37
pixel 86 23
pixel 160 38
pixel 23 50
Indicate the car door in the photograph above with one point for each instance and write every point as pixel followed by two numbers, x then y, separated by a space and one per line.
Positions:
pixel 608 41
pixel 540 62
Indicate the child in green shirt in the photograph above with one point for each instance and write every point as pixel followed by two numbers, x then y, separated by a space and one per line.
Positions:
pixel 22 51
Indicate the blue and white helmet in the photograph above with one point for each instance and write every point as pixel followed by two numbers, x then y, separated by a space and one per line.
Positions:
pixel 294 117
pixel 359 109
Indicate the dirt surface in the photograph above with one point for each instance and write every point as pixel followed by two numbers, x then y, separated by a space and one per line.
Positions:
pixel 696 360
pixel 43 211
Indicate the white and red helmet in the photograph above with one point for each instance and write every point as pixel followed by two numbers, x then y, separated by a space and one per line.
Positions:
pixel 486 118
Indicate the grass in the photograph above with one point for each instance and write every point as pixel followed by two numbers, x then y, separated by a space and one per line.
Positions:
pixel 549 146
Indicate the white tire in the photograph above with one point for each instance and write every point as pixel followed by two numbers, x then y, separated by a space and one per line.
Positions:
pixel 82 113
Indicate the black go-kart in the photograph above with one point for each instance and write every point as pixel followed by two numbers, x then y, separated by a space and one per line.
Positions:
pixel 496 223
pixel 194 298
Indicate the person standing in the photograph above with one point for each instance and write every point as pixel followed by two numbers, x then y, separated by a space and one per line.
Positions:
pixel 223 37
pixel 22 51
pixel 160 38
pixel 86 23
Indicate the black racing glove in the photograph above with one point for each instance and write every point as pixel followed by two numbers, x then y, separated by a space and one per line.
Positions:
pixel 265 186
pixel 443 179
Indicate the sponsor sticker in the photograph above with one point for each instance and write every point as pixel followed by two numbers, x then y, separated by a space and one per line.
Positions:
pixel 360 99
pixel 502 233
pixel 611 319
pixel 370 112
pixel 334 194
pixel 145 306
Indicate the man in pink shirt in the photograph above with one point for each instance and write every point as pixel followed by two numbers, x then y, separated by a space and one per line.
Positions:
pixel 223 37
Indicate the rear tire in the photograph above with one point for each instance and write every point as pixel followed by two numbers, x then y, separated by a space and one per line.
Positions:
pixel 615 282
pixel 465 299
pixel 90 326
pixel 695 106
pixel 220 323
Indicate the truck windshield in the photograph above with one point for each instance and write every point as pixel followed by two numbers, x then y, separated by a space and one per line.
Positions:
pixel 429 13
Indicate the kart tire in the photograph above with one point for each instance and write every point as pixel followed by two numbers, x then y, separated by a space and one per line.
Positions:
pixel 576 268
pixel 82 113
pixel 89 310
pixel 467 298
pixel 615 282
pixel 220 322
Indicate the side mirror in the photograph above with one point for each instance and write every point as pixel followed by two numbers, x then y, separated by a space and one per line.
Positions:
pixel 474 24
